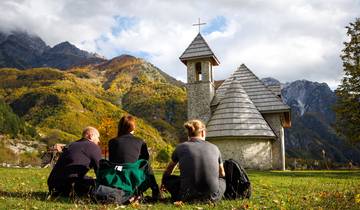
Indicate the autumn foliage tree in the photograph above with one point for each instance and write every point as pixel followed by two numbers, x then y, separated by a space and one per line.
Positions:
pixel 108 130
pixel 348 93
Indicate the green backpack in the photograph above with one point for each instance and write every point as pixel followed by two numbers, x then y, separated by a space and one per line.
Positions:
pixel 127 177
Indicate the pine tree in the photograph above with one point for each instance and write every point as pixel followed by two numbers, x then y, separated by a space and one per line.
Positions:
pixel 348 103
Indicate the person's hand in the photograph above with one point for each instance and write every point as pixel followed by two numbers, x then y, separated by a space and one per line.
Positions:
pixel 163 188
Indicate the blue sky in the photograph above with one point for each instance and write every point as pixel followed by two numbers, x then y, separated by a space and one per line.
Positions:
pixel 287 40
pixel 216 24
pixel 123 23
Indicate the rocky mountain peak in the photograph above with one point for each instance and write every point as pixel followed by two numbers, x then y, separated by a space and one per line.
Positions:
pixel 120 62
pixel 23 50
pixel 125 58
pixel 20 50
pixel 3 37
pixel 269 81
pixel 312 116
pixel 26 40
pixel 65 45
pixel 306 96
pixel 69 49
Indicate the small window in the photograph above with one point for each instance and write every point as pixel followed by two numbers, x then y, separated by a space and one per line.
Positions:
pixel 198 71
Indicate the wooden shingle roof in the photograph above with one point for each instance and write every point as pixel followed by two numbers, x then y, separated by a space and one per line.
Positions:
pixel 236 115
pixel 220 92
pixel 199 49
pixel 262 97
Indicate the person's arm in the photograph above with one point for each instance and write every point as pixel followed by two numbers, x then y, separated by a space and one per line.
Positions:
pixel 144 153
pixel 221 170
pixel 169 169
pixel 221 166
pixel 95 158
pixel 174 160
pixel 110 150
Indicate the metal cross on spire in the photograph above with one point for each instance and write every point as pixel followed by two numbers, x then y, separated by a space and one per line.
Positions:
pixel 199 24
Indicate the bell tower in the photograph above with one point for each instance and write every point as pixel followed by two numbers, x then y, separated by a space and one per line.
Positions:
pixel 199 60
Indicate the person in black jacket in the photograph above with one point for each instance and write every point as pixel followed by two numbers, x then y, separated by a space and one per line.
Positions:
pixel 126 148
pixel 69 173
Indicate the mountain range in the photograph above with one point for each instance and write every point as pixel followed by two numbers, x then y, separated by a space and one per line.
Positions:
pixel 50 87
pixel 313 119
pixel 22 51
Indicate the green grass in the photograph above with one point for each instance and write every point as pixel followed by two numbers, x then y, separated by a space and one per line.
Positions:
pixel 27 189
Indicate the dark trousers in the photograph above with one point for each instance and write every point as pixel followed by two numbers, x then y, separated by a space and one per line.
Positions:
pixel 79 186
pixel 172 184
pixel 150 182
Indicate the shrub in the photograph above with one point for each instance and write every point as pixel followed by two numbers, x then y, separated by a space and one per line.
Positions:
pixel 53 136
pixel 6 155
pixel 29 158
pixel 12 124
pixel 164 154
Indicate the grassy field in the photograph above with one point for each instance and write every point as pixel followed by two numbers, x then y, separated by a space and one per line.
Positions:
pixel 27 189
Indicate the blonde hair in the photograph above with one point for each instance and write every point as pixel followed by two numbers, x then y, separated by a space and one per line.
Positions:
pixel 194 127
pixel 88 131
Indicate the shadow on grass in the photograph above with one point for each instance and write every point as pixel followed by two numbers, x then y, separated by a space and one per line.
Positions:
pixel 38 195
pixel 43 196
pixel 314 174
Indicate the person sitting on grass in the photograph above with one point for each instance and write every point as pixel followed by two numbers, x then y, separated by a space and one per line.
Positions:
pixel 126 148
pixel 68 177
pixel 201 168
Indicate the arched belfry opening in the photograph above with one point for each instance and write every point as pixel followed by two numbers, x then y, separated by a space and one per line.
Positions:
pixel 198 72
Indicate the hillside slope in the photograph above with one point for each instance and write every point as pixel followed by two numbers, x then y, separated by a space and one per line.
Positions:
pixel 60 104
pixel 144 91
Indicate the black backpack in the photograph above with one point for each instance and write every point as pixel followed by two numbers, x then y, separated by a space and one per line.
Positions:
pixel 237 182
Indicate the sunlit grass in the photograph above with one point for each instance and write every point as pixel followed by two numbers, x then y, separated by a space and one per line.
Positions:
pixel 27 189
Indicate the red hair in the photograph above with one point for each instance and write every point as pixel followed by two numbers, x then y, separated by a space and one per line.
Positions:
pixel 126 125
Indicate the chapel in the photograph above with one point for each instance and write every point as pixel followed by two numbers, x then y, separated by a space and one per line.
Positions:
pixel 244 117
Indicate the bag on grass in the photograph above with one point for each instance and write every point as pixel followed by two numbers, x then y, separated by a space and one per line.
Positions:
pixel 108 195
pixel 237 182
pixel 116 183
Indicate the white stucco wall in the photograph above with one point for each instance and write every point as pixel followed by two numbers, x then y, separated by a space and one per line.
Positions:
pixel 278 146
pixel 250 153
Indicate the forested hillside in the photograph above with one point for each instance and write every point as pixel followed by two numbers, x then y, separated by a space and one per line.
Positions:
pixel 60 104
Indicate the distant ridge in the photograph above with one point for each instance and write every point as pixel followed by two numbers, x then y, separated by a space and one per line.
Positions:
pixel 133 66
pixel 22 51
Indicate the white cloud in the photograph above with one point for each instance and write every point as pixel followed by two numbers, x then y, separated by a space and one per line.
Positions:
pixel 288 40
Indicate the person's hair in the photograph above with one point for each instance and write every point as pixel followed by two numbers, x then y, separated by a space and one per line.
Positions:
pixel 194 127
pixel 126 125
pixel 89 131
